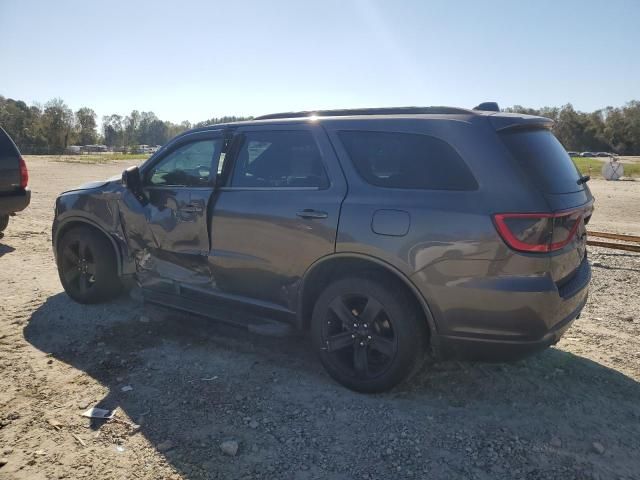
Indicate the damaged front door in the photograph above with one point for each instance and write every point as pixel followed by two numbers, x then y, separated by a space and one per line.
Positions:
pixel 170 238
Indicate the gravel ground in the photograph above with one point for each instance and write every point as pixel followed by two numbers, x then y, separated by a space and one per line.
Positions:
pixel 208 401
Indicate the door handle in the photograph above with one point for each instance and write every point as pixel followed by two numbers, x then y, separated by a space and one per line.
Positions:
pixel 191 209
pixel 310 213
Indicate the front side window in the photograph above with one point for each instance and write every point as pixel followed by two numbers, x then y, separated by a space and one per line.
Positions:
pixel 190 165
pixel 407 160
pixel 279 159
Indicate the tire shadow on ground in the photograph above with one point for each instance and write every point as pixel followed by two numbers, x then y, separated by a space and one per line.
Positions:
pixel 4 248
pixel 195 378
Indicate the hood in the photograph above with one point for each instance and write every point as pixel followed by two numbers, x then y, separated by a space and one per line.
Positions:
pixel 95 184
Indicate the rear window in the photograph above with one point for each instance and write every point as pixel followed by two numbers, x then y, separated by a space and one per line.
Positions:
pixel 8 151
pixel 407 160
pixel 544 160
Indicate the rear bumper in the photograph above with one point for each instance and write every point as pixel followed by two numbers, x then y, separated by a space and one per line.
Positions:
pixel 14 202
pixel 513 324
pixel 489 349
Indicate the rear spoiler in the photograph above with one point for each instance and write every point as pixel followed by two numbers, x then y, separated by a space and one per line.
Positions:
pixel 515 121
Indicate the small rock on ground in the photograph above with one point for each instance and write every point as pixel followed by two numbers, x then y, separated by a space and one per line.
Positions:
pixel 229 447
pixel 165 446
pixel 598 447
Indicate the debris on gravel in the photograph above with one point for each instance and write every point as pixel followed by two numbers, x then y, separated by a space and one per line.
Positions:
pixel 556 442
pixel 230 447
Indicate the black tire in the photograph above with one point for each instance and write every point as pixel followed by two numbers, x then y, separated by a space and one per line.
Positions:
pixel 87 266
pixel 4 221
pixel 374 343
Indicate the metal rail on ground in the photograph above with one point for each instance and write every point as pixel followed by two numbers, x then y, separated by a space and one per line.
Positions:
pixel 630 239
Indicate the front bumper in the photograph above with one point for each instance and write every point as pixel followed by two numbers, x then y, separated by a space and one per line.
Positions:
pixel 15 202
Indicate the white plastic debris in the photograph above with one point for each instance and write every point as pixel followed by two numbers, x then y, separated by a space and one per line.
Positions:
pixel 95 412
pixel 126 388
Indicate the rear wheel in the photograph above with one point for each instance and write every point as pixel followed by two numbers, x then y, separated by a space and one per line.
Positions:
pixel 4 221
pixel 369 334
pixel 87 266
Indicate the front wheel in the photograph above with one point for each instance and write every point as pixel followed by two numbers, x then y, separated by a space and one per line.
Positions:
pixel 87 266
pixel 369 335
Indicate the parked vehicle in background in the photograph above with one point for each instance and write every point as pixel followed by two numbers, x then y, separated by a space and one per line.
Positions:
pixel 14 177
pixel 95 148
pixel 73 150
pixel 587 154
pixel 385 233
pixel 573 154
pixel 149 149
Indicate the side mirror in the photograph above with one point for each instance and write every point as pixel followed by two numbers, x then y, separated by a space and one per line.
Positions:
pixel 132 181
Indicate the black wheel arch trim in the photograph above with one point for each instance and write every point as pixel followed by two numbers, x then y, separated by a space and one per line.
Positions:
pixel 63 225
pixel 396 272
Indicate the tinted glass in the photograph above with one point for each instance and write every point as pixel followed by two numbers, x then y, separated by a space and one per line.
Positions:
pixel 407 160
pixel 544 160
pixel 279 159
pixel 9 154
pixel 189 165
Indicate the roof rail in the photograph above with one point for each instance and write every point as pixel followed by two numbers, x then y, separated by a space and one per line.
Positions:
pixel 368 111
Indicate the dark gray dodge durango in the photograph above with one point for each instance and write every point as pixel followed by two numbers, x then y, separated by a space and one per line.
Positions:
pixel 390 234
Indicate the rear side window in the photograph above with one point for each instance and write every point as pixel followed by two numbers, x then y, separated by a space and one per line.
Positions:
pixel 279 159
pixel 544 160
pixel 407 160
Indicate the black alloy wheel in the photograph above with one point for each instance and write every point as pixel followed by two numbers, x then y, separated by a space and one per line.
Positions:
pixel 78 266
pixel 359 335
pixel 369 332
pixel 87 266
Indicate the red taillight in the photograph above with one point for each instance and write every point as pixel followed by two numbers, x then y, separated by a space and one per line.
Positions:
pixel 538 232
pixel 24 174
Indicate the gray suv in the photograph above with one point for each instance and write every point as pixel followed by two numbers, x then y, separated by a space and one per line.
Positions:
pixel 388 234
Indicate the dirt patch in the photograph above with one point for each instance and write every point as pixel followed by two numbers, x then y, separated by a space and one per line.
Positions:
pixel 570 412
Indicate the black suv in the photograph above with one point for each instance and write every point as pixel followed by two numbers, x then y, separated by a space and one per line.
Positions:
pixel 388 233
pixel 14 176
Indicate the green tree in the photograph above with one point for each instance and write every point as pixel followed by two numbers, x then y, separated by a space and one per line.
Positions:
pixel 113 130
pixel 58 124
pixel 86 121
pixel 23 124
pixel 631 113
pixel 131 128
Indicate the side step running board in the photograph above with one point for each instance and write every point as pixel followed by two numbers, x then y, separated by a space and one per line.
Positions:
pixel 230 314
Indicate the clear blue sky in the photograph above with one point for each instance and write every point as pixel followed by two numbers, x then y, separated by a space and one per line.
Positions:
pixel 191 60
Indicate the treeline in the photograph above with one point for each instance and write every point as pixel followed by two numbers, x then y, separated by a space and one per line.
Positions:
pixel 611 129
pixel 52 127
